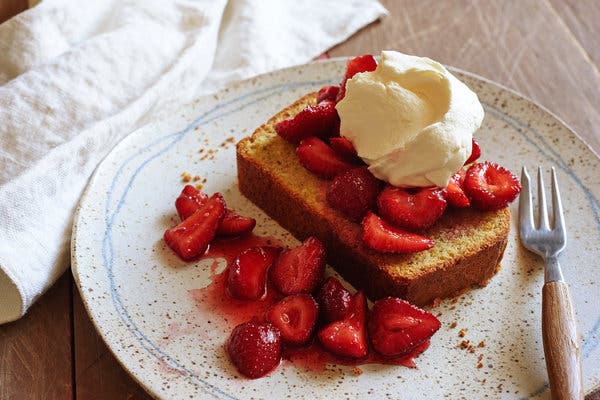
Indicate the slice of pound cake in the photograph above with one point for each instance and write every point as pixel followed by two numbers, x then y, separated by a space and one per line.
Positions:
pixel 463 246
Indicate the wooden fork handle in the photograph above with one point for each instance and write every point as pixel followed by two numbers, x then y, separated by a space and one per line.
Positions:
pixel 562 346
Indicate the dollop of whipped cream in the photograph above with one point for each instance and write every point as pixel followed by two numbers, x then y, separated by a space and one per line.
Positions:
pixel 410 120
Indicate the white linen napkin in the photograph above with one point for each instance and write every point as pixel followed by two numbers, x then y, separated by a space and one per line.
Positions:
pixel 77 76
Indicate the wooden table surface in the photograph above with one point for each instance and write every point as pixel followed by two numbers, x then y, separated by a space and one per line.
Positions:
pixel 548 50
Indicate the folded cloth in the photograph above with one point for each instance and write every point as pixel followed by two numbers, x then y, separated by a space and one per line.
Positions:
pixel 77 76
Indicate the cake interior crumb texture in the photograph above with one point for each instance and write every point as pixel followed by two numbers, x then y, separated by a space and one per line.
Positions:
pixel 469 243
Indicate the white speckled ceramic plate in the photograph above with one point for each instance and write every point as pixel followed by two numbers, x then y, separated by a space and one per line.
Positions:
pixel 139 295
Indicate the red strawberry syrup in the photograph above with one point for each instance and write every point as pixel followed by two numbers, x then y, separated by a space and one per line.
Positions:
pixel 314 358
pixel 215 300
pixel 229 248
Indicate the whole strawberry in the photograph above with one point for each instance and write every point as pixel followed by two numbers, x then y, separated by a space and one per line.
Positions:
pixel 254 348
pixel 334 300
pixel 354 192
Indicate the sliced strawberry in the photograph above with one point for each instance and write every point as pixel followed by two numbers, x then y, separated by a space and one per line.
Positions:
pixel 397 327
pixel 344 148
pixel 384 238
pixel 334 300
pixel 189 201
pixel 354 66
pixel 455 194
pixel 299 270
pixel 295 316
pixel 410 209
pixel 348 337
pixel 317 157
pixel 234 224
pixel 192 236
pixel 319 120
pixel 247 275
pixel 491 186
pixel 254 348
pixel 328 93
pixel 475 152
pixel 336 129
pixel 354 192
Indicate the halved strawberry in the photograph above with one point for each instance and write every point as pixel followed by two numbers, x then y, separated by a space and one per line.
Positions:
pixel 334 300
pixel 234 224
pixel 192 236
pixel 475 152
pixel 348 337
pixel 491 186
pixel 189 201
pixel 295 316
pixel 247 277
pixel 318 120
pixel 384 238
pixel 344 148
pixel 397 327
pixel 336 129
pixel 354 192
pixel 455 194
pixel 413 209
pixel 299 270
pixel 317 157
pixel 254 348
pixel 354 66
pixel 328 93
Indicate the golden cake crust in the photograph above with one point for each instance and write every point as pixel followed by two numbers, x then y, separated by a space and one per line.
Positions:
pixel 469 243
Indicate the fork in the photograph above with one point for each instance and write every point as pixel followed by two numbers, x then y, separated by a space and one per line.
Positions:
pixel 559 328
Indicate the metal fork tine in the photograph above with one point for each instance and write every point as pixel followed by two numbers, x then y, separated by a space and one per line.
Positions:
pixel 543 207
pixel 559 327
pixel 557 209
pixel 525 211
